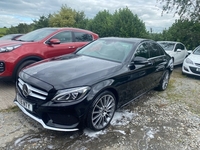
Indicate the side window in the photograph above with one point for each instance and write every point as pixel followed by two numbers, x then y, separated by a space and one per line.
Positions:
pixel 155 50
pixel 182 47
pixel 82 37
pixel 179 46
pixel 64 37
pixel 142 51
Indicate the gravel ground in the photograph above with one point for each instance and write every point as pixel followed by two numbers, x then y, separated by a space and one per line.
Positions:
pixel 168 120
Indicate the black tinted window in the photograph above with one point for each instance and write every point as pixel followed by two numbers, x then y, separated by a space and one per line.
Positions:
pixel 180 46
pixel 142 51
pixel 155 50
pixel 64 37
pixel 82 37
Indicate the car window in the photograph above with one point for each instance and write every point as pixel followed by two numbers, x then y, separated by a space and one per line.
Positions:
pixel 36 35
pixel 114 50
pixel 155 50
pixel 167 46
pixel 64 37
pixel 142 50
pixel 179 46
pixel 82 37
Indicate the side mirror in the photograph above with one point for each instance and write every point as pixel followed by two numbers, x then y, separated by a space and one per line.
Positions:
pixel 140 61
pixel 178 50
pixel 53 41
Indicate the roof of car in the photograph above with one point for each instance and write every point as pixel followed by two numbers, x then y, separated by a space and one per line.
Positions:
pixel 67 28
pixel 167 42
pixel 128 39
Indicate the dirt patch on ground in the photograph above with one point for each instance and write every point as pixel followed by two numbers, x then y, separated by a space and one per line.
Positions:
pixel 158 120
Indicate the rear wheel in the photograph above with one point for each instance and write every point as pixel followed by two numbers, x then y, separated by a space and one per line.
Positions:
pixel 23 65
pixel 164 81
pixel 101 111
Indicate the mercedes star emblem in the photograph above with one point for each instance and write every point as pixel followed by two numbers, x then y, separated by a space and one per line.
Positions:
pixel 25 90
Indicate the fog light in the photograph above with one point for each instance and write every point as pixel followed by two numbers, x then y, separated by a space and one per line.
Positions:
pixel 2 67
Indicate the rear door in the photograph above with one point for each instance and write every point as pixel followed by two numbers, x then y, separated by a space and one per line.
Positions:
pixel 159 62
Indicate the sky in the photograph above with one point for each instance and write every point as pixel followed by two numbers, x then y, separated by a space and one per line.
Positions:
pixel 13 12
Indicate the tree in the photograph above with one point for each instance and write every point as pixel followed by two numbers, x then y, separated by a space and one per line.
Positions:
pixel 20 28
pixel 185 31
pixel 126 24
pixel 101 24
pixel 186 9
pixel 42 22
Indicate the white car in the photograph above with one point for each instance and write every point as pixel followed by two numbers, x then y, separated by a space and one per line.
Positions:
pixel 176 50
pixel 191 64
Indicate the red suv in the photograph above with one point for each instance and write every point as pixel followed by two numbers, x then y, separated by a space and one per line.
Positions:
pixel 40 44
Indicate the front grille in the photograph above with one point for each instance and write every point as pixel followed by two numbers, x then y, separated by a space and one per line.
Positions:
pixel 32 91
pixel 2 67
pixel 194 70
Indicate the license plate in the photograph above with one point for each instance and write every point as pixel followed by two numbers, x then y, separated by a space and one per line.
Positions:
pixel 198 69
pixel 24 103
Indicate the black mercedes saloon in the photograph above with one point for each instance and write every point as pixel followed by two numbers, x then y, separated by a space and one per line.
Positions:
pixel 84 89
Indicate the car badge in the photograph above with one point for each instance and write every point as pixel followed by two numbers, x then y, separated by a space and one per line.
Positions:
pixel 25 90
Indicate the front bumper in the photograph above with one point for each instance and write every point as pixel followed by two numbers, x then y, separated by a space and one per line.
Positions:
pixel 41 121
pixel 191 69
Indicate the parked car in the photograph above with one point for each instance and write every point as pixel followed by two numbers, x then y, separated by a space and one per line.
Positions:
pixel 85 88
pixel 10 37
pixel 191 64
pixel 176 50
pixel 40 44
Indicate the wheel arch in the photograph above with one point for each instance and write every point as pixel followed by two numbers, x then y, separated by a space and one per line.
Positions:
pixel 35 58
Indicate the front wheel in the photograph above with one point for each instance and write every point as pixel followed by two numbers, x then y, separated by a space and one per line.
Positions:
pixel 164 81
pixel 23 65
pixel 102 110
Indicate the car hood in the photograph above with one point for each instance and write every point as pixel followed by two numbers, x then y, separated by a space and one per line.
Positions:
pixel 9 42
pixel 72 70
pixel 194 58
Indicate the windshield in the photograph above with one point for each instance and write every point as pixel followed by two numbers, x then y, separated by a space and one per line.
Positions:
pixel 197 51
pixel 36 35
pixel 109 49
pixel 167 46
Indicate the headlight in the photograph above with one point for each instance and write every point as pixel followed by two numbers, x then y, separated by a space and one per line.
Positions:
pixel 70 95
pixel 188 61
pixel 9 48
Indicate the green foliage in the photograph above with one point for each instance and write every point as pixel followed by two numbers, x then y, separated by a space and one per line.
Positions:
pixel 123 23
pixel 185 31
pixel 186 9
pixel 3 31
pixel 42 22
pixel 21 28
pixel 126 24
pixel 102 24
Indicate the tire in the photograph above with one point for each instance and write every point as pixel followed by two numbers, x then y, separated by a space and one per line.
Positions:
pixel 101 112
pixel 24 64
pixel 164 81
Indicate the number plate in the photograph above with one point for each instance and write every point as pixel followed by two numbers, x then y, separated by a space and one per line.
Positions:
pixel 24 103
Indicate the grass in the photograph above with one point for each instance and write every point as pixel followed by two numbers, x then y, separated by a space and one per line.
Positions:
pixel 184 89
pixel 11 109
pixel 3 31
